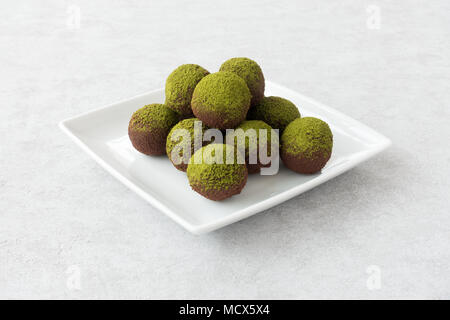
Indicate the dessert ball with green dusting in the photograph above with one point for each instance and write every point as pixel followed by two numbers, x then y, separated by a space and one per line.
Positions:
pixel 149 126
pixel 275 111
pixel 215 173
pixel 221 100
pixel 306 145
pixel 256 138
pixel 185 138
pixel 180 85
pixel 251 72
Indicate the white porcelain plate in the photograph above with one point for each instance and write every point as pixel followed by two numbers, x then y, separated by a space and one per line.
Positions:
pixel 102 134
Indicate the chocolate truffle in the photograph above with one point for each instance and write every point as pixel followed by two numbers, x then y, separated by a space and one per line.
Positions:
pixel 179 147
pixel 221 100
pixel 180 85
pixel 275 111
pixel 306 145
pixel 149 126
pixel 254 142
pixel 214 172
pixel 250 71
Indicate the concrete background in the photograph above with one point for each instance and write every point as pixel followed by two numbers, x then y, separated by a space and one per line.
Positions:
pixel 70 230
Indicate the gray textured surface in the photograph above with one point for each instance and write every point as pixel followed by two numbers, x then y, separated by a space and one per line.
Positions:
pixel 61 215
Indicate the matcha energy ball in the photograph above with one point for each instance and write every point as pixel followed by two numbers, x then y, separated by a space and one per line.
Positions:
pixel 180 85
pixel 306 145
pixel 176 139
pixel 221 100
pixel 213 179
pixel 250 71
pixel 254 142
pixel 275 111
pixel 149 126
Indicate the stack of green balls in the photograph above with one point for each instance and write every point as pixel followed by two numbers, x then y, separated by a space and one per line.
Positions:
pixel 232 98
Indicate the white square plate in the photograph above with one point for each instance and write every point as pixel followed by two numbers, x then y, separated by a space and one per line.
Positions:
pixel 103 135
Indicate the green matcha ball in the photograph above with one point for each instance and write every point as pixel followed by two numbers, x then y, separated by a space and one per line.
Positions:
pixel 181 141
pixel 250 71
pixel 149 126
pixel 275 111
pixel 306 145
pixel 256 141
pixel 180 85
pixel 215 173
pixel 221 100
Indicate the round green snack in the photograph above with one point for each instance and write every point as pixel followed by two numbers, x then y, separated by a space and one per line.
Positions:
pixel 306 145
pixel 180 85
pixel 255 141
pixel 221 100
pixel 275 111
pixel 149 126
pixel 212 176
pixel 251 72
pixel 179 147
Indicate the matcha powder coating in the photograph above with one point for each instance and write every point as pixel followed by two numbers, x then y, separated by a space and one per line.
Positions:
pixel 252 74
pixel 306 145
pixel 149 126
pixel 275 111
pixel 153 116
pixel 307 136
pixel 180 85
pixel 254 143
pixel 216 181
pixel 189 125
pixel 221 100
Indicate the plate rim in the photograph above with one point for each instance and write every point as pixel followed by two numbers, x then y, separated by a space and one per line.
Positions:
pixel 382 143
